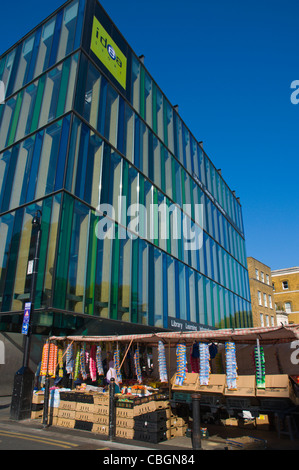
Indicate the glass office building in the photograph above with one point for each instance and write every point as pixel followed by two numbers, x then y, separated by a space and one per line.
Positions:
pixel 84 126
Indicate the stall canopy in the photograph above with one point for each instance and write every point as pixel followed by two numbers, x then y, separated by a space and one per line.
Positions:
pixel 271 335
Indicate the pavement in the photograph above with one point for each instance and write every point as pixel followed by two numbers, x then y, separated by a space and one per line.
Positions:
pixel 16 435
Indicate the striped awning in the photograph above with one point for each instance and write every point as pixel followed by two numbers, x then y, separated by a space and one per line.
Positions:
pixel 268 335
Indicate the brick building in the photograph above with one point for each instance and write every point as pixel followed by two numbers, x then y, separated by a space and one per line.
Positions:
pixel 261 291
pixel 286 292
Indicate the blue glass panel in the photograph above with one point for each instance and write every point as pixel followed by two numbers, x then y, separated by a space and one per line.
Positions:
pixel 9 178
pixel 31 69
pixel 56 38
pixel 82 162
pixel 164 290
pixel 28 145
pixel 34 166
pixel 14 70
pixel 62 154
pixel 77 41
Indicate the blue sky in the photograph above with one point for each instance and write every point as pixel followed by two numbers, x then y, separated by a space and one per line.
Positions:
pixel 229 66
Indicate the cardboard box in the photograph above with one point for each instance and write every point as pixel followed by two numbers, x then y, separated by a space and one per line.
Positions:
pixel 216 384
pixel 101 419
pixel 231 422
pixel 124 422
pixel 100 429
pixel 36 414
pixel 101 399
pixel 101 410
pixel 125 433
pixel 66 414
pixel 67 405
pixel 127 413
pixel 245 387
pixel 191 383
pixel 85 407
pixel 179 431
pixel 66 423
pixel 178 422
pixel 82 416
pixel 38 398
pixel 276 386
pixel 263 422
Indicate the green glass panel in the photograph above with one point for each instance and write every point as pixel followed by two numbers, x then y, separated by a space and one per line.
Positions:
pixel 63 252
pixel 38 103
pixel 63 87
pixel 91 266
pixel 115 276
pixel 15 119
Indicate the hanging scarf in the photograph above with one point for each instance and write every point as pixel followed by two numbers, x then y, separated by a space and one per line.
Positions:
pixel 117 366
pixel 204 361
pixel 69 363
pixel 52 364
pixel 77 364
pixel 181 364
pixel 162 362
pixel 92 364
pixel 99 361
pixel 260 367
pixel 60 362
pixel 83 369
pixel 231 365
pixel 137 366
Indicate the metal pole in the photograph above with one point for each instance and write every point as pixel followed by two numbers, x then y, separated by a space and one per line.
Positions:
pixel 47 392
pixel 111 409
pixel 36 223
pixel 196 433
pixel 21 402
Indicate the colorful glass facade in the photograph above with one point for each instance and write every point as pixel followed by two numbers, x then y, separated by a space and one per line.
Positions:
pixel 85 125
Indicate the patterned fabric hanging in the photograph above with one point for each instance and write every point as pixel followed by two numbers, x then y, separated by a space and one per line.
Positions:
pixel 92 364
pixel 260 367
pixel 83 368
pixel 194 358
pixel 77 364
pixel 99 361
pixel 181 364
pixel 50 355
pixel 231 365
pixel 117 366
pixel 69 363
pixel 60 362
pixel 204 361
pixel 162 362
pixel 137 366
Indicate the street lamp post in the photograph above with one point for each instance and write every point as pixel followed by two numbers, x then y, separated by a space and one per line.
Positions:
pixel 24 377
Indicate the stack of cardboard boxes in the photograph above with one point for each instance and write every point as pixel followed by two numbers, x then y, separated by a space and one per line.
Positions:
pixel 153 421
pixel 149 419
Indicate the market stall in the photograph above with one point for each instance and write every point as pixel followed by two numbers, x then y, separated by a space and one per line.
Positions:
pixel 153 374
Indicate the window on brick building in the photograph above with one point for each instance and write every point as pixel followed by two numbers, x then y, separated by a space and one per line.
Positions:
pixel 288 307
